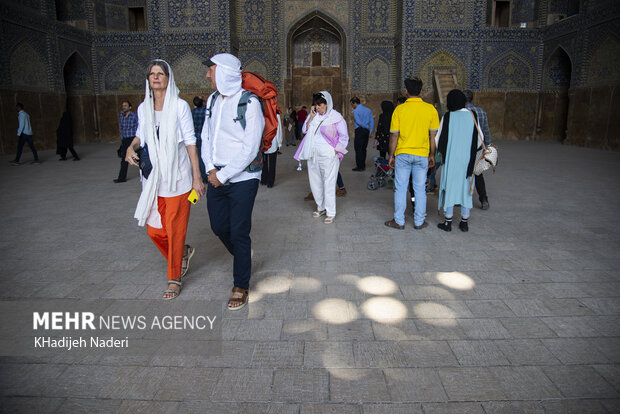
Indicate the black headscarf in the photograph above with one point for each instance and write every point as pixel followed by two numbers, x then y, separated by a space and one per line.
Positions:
pixel 385 119
pixel 456 100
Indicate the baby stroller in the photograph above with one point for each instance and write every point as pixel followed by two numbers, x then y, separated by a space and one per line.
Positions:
pixel 382 173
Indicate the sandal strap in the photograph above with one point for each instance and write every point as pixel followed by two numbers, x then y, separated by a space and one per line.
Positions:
pixel 175 282
pixel 238 301
pixel 171 291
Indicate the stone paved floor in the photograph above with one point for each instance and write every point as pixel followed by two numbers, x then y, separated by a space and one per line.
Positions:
pixel 520 315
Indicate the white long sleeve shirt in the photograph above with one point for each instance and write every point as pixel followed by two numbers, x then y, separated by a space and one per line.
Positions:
pixel 277 140
pixel 186 133
pixel 226 145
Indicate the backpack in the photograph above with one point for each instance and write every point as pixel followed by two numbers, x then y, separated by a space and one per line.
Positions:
pixel 267 94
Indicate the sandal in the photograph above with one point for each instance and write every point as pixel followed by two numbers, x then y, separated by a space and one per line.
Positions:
pixel 238 303
pixel 329 219
pixel 186 258
pixel 174 293
pixel 319 213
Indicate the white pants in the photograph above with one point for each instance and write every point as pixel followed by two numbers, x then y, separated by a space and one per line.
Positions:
pixel 322 174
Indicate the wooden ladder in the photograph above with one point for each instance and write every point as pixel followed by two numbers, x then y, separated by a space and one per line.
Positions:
pixel 444 82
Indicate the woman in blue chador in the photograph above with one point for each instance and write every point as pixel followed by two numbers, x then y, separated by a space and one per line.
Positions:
pixel 457 142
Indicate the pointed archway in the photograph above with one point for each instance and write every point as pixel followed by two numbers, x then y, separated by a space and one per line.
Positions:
pixel 80 98
pixel 557 79
pixel 315 60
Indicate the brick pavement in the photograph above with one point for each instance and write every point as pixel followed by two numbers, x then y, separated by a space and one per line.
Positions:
pixel 521 314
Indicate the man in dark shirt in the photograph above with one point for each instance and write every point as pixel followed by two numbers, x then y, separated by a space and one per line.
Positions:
pixel 128 124
pixel 198 115
pixel 302 114
pixel 483 122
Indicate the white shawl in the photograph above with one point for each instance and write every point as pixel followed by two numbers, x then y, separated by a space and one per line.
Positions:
pixel 312 129
pixel 163 152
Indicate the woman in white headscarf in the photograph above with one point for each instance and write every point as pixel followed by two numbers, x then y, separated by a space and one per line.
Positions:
pixel 166 132
pixel 324 145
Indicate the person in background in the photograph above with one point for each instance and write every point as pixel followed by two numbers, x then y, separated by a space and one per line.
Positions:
pixel 483 122
pixel 382 134
pixel 268 175
pixel 302 114
pixel 24 132
pixel 457 141
pixel 412 152
pixel 324 145
pixel 198 116
pixel 127 124
pixel 64 138
pixel 364 124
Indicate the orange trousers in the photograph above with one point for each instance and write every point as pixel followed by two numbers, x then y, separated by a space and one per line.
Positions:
pixel 170 239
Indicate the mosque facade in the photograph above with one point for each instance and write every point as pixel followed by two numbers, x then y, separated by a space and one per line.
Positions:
pixel 542 69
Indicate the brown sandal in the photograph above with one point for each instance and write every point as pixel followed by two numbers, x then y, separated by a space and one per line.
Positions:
pixel 238 303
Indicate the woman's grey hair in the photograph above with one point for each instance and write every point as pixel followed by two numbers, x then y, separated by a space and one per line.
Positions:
pixel 157 62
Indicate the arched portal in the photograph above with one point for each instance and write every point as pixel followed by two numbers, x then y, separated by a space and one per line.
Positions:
pixel 80 99
pixel 316 60
pixel 557 78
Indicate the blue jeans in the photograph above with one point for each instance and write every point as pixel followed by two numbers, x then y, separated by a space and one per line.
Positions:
pixel 339 181
pixel 230 213
pixel 449 212
pixel 414 166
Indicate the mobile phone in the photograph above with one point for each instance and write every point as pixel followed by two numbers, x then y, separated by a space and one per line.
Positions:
pixel 193 197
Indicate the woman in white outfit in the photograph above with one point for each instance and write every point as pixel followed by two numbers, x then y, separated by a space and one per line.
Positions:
pixel 166 131
pixel 324 145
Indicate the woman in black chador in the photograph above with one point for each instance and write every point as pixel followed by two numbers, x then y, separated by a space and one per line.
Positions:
pixel 64 138
pixel 382 135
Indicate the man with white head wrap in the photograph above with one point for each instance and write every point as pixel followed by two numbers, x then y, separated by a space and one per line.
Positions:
pixel 227 150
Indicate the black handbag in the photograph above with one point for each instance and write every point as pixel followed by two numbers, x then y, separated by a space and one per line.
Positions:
pixel 145 162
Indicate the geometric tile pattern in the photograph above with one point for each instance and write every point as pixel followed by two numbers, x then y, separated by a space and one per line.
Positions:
pixel 509 71
pixel 409 37
pixel 316 41
pixel 557 71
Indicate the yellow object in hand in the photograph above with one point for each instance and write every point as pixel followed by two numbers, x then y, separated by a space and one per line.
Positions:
pixel 193 197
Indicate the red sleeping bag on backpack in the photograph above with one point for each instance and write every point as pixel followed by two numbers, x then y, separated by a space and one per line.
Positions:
pixel 268 94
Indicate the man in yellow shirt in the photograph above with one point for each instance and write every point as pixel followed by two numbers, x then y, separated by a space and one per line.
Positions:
pixel 412 152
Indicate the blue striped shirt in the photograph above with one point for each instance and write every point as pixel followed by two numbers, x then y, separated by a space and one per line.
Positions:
pixel 363 117
pixel 128 124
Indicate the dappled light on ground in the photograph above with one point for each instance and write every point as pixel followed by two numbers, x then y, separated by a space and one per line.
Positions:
pixel 335 311
pixel 305 284
pixel 456 280
pixel 435 314
pixel 377 285
pixel 384 309
pixel 273 284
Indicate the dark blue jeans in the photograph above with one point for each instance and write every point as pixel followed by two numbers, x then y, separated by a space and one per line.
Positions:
pixel 25 138
pixel 339 181
pixel 230 213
